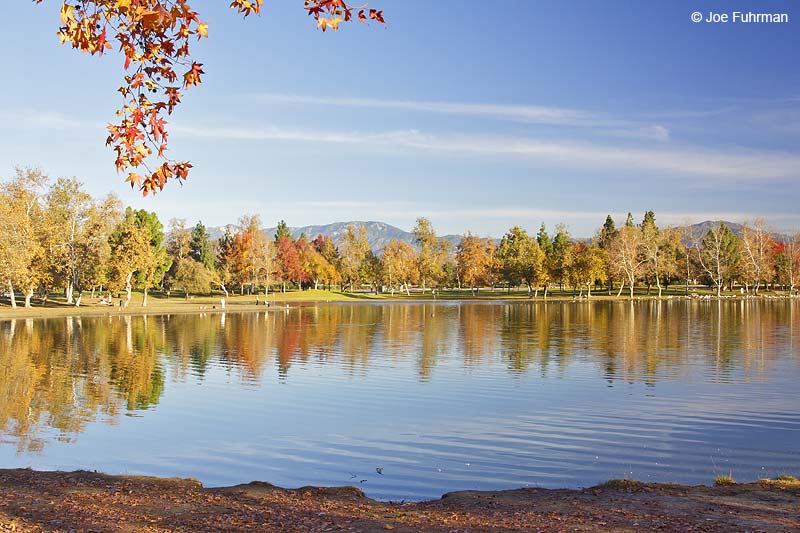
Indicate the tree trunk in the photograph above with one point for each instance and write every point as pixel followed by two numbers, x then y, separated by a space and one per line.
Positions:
pixel 719 288
pixel 658 284
pixel 588 290
pixel 12 295
pixel 631 290
pixel 128 288
pixel 28 296
pixel 78 301
pixel 621 286
pixel 144 297
pixel 68 292
pixel 545 292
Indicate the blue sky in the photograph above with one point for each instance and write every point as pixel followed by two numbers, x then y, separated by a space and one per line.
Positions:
pixel 477 115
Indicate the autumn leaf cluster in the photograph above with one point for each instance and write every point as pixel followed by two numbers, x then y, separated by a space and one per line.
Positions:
pixel 154 38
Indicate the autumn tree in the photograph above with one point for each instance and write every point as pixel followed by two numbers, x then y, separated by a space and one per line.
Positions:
pixel 67 207
pixel 475 260
pixel 433 253
pixel 587 265
pixel 605 237
pixel 258 252
pixel 290 269
pixel 21 222
pixel 787 262
pixel 130 245
pixel 155 264
pixel 660 249
pixel 179 239
pixel 155 37
pixel 758 261
pixel 104 217
pixel 718 255
pixel 327 271
pixel 400 266
pixel 319 261
pixel 626 256
pixel 353 250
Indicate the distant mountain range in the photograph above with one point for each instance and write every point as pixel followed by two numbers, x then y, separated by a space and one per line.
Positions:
pixel 379 234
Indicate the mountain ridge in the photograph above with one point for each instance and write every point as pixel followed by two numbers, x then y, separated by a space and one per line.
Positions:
pixel 379 234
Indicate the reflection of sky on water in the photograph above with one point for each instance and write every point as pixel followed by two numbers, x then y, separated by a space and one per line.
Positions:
pixel 439 397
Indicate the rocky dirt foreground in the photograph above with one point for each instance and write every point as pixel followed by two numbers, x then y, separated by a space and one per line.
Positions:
pixel 33 502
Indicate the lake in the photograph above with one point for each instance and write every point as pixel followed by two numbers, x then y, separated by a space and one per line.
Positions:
pixel 411 400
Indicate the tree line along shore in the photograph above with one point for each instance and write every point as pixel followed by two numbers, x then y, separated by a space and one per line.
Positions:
pixel 57 241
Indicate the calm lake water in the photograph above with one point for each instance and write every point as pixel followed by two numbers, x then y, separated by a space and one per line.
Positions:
pixel 409 401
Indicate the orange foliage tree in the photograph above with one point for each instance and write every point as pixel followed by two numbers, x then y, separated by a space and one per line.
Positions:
pixel 154 37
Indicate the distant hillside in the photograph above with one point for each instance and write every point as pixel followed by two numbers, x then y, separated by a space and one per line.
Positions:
pixel 379 234
pixel 701 228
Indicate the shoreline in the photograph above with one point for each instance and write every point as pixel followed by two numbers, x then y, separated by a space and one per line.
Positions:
pixel 245 304
pixel 40 501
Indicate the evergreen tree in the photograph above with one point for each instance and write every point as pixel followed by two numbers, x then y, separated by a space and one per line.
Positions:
pixel 283 231
pixel 607 233
pixel 200 247
pixel 543 239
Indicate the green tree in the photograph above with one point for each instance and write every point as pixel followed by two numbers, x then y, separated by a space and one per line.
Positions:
pixel 154 263
pixel 200 248
pixel 520 259
pixel 191 277
pixel 283 231
pixel 562 244
pixel 607 233
pixel 605 237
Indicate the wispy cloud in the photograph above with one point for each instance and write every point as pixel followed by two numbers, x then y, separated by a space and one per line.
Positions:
pixel 534 114
pixel 739 164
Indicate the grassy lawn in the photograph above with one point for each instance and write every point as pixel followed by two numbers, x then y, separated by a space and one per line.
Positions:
pixel 159 303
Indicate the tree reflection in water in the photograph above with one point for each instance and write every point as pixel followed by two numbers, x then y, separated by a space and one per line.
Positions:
pixel 58 375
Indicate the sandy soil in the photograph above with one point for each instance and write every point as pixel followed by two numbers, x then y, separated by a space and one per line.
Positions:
pixel 35 502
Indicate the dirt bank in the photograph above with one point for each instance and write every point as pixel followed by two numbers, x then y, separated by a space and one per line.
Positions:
pixel 90 502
